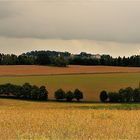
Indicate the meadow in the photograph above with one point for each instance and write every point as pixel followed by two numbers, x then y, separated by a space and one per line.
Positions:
pixel 67 121
pixel 90 84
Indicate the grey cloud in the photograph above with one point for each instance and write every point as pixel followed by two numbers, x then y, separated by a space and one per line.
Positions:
pixel 94 20
pixel 7 10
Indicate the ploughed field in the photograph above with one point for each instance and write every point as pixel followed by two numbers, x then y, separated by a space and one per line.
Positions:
pixel 72 69
pixel 90 79
pixel 77 121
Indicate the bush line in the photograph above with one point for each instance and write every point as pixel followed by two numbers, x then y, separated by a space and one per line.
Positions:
pixel 126 95
pixel 60 94
pixel 26 91
pixel 33 92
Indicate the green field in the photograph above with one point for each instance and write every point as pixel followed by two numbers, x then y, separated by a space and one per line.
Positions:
pixel 90 84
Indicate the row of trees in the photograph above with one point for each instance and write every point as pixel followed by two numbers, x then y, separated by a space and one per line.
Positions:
pixel 26 91
pixel 62 59
pixel 60 94
pixel 123 95
pixel 107 60
pixel 33 92
pixel 38 58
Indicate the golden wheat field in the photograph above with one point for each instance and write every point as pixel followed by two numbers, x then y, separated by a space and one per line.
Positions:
pixel 65 121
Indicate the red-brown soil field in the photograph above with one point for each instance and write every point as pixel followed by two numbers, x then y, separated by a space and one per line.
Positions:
pixel 72 69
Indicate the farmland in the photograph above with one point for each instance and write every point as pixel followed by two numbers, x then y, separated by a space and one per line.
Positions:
pixel 21 119
pixel 91 80
pixel 72 69
pixel 52 120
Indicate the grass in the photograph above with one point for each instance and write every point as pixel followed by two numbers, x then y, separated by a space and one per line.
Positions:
pixel 90 84
pixel 124 106
pixel 68 121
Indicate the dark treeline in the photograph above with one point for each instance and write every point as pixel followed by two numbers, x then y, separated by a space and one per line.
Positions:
pixel 33 92
pixel 62 59
pixel 107 60
pixel 26 91
pixel 36 58
pixel 126 95
pixel 60 95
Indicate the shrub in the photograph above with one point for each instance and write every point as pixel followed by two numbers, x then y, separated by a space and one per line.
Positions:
pixel 69 96
pixel 78 94
pixel 103 96
pixel 59 94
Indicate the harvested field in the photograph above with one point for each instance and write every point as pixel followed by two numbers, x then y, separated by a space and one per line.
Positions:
pixel 45 70
pixel 66 121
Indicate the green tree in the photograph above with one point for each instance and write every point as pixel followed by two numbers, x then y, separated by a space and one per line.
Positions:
pixel 26 91
pixel 113 97
pixel 103 96
pixel 59 62
pixel 136 95
pixel 43 93
pixel 69 96
pixel 35 91
pixel 43 58
pixel 129 95
pixel 78 94
pixel 59 94
pixel 126 94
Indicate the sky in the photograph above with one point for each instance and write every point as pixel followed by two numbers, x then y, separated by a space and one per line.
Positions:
pixel 93 26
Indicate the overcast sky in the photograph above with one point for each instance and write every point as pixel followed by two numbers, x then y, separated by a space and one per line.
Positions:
pixel 95 26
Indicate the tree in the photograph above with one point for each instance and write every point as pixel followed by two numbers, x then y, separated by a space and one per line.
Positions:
pixel 69 96
pixel 126 94
pixel 26 91
pixel 43 93
pixel 129 94
pixel 103 96
pixel 43 58
pixel 7 89
pixel 59 94
pixel 59 62
pixel 17 91
pixel 136 95
pixel 78 94
pixel 35 91
pixel 113 97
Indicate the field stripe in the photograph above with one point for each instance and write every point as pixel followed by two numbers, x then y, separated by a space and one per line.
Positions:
pixel 21 75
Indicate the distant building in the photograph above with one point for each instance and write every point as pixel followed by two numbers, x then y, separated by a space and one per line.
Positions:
pixel 96 56
pixel 86 56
